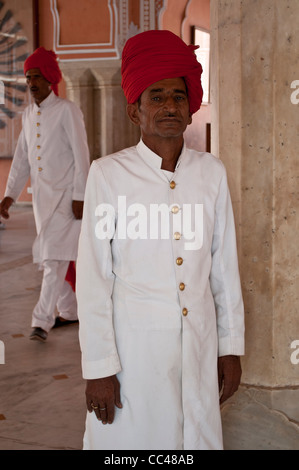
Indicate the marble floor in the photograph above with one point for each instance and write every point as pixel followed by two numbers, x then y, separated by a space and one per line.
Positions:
pixel 42 404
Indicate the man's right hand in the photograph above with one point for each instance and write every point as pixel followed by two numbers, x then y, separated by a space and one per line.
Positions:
pixel 4 207
pixel 102 395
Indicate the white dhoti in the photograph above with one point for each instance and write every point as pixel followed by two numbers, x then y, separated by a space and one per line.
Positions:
pixel 56 292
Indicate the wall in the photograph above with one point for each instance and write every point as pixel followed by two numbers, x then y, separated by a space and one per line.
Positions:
pixel 179 17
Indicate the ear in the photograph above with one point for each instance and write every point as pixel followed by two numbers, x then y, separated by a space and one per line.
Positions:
pixel 190 119
pixel 132 111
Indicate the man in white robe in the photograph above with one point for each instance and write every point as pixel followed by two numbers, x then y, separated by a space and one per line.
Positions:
pixel 159 299
pixel 52 150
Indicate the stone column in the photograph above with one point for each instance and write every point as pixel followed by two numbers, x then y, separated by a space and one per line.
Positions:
pixel 95 86
pixel 111 120
pixel 255 54
pixel 80 85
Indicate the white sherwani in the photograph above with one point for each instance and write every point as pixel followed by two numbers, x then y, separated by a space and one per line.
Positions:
pixel 158 309
pixel 52 150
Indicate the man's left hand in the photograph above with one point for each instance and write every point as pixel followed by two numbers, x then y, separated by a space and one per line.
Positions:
pixel 229 376
pixel 77 208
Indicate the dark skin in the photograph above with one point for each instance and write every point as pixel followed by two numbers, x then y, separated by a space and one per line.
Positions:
pixel 162 113
pixel 40 89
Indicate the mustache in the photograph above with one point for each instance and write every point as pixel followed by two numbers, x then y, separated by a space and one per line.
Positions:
pixel 174 116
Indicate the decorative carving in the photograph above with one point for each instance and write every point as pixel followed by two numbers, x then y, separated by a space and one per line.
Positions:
pixel 77 52
pixel 12 57
pixel 122 27
pixel 14 49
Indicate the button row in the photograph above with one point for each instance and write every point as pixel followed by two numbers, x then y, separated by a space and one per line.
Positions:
pixel 38 146
pixel 177 236
pixel 182 286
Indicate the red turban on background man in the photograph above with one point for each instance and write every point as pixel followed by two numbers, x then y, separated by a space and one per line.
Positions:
pixel 46 61
pixel 155 55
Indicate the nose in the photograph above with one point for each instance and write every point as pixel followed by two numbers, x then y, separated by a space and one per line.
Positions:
pixel 170 104
pixel 31 81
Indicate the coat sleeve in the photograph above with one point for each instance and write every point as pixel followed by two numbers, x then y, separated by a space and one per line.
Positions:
pixel 95 280
pixel 225 279
pixel 20 169
pixel 75 129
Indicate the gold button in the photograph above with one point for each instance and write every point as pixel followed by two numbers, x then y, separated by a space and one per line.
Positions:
pixel 172 184
pixel 177 236
pixel 38 124
pixel 182 286
pixel 38 158
pixel 185 312
pixel 38 113
pixel 179 261
pixel 37 135
pixel 40 169
pixel 38 147
pixel 175 209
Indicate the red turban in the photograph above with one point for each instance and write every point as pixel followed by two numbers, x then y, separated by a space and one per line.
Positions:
pixel 155 55
pixel 46 61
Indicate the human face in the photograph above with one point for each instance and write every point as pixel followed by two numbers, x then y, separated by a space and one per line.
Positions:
pixel 162 111
pixel 39 87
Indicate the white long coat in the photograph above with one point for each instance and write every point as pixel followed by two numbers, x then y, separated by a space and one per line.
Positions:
pixel 52 150
pixel 146 301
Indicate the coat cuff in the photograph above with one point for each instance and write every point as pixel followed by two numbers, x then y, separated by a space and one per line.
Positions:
pixel 99 369
pixel 77 196
pixel 231 346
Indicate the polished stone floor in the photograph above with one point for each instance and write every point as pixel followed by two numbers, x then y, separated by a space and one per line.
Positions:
pixel 42 405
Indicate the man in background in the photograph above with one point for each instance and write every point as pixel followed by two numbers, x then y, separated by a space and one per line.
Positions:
pixel 52 150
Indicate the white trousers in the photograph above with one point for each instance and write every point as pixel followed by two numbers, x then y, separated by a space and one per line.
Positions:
pixel 56 292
